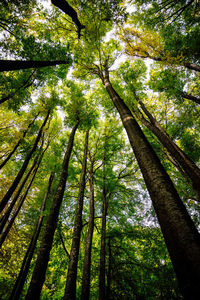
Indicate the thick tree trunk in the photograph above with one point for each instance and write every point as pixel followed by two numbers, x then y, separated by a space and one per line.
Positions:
pixel 11 65
pixel 190 97
pixel 18 143
pixel 19 284
pixel 70 288
pixel 185 162
pixel 102 269
pixel 24 166
pixel 39 272
pixel 88 244
pixel 180 234
pixel 70 11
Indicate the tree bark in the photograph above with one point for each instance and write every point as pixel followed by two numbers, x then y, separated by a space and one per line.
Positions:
pixel 70 11
pixel 70 288
pixel 108 288
pixel 185 162
pixel 88 244
pixel 180 234
pixel 12 65
pixel 190 97
pixel 24 166
pixel 18 143
pixel 102 269
pixel 7 213
pixel 19 284
pixel 39 272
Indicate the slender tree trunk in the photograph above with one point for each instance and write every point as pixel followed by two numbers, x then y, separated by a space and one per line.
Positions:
pixel 191 66
pixel 19 284
pixel 185 162
pixel 11 65
pixel 88 244
pixel 7 213
pixel 25 85
pixel 18 143
pixel 24 166
pixel 39 272
pixel 102 271
pixel 180 234
pixel 70 288
pixel 108 288
pixel 21 201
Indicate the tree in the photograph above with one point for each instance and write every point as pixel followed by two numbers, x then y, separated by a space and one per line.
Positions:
pixel 70 288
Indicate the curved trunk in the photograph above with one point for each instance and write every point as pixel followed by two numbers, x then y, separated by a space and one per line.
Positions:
pixel 24 166
pixel 12 65
pixel 39 272
pixel 185 162
pixel 19 284
pixel 88 244
pixel 70 288
pixel 180 234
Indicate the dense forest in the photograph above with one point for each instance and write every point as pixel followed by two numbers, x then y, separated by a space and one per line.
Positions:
pixel 99 149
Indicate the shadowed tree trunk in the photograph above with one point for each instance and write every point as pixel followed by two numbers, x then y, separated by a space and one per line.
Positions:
pixel 19 284
pixel 180 234
pixel 184 161
pixel 70 11
pixel 190 97
pixel 70 288
pixel 24 166
pixel 88 244
pixel 102 270
pixel 12 65
pixel 39 272
pixel 108 289
pixel 18 143
pixel 21 201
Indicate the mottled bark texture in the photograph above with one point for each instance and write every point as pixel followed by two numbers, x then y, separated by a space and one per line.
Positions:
pixel 70 288
pixel 12 65
pixel 180 234
pixel 19 284
pixel 24 166
pixel 188 166
pixel 39 272
pixel 88 243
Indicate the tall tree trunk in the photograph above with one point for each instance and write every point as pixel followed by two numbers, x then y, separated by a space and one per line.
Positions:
pixel 19 284
pixel 6 216
pixel 8 210
pixel 24 166
pixel 11 65
pixel 102 270
pixel 185 162
pixel 108 288
pixel 39 272
pixel 18 143
pixel 180 234
pixel 88 244
pixel 70 288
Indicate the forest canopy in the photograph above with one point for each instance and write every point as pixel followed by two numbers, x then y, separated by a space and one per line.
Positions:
pixel 99 149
